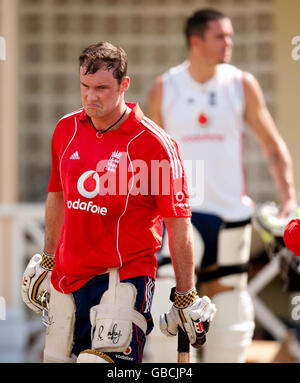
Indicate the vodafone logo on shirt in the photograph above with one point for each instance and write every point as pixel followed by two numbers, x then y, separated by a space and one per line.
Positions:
pixel 88 186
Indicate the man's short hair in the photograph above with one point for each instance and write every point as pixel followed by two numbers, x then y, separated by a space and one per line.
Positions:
pixel 104 55
pixel 197 23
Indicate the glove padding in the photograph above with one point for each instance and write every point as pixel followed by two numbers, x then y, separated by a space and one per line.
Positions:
pixel 192 313
pixel 36 282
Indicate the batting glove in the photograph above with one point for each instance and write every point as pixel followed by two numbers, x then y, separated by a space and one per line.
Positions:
pixel 192 313
pixel 36 282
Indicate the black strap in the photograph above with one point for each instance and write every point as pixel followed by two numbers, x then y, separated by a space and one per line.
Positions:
pixel 223 271
pixel 230 225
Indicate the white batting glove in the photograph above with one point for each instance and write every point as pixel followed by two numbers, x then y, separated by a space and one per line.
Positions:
pixel 192 313
pixel 36 282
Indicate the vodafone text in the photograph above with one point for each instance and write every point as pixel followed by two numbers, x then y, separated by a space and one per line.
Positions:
pixel 87 206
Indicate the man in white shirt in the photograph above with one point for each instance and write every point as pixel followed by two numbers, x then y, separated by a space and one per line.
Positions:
pixel 204 105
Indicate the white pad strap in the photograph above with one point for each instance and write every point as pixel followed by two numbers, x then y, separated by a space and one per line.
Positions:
pixel 108 311
pixel 112 319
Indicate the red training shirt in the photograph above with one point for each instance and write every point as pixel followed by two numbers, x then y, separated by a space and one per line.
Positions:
pixel 116 190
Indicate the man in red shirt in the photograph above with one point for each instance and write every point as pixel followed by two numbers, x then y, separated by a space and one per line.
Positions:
pixel 115 175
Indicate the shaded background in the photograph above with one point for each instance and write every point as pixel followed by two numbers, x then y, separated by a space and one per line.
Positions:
pixel 39 84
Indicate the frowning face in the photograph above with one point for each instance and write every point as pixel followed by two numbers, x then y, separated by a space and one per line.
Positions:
pixel 101 93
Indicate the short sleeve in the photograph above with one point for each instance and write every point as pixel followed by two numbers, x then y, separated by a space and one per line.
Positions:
pixel 172 196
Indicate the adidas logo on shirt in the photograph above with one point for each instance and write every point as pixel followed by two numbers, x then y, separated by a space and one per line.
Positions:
pixel 75 156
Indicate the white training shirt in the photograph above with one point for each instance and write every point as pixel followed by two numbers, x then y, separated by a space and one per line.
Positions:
pixel 207 121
